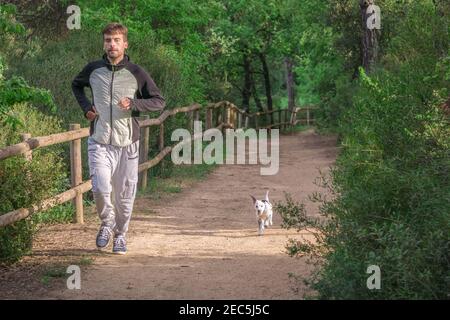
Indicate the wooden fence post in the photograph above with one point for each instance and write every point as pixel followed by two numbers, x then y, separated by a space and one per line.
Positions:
pixel 197 115
pixel 256 114
pixel 219 115
pixel 144 143
pixel 286 117
pixel 225 117
pixel 161 142
pixel 226 114
pixel 27 155
pixel 231 117
pixel 279 118
pixel 282 119
pixel 239 125
pixel 209 118
pixel 191 122
pixel 293 117
pixel 76 174
pixel 161 137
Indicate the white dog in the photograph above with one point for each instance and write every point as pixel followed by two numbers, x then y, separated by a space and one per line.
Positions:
pixel 264 212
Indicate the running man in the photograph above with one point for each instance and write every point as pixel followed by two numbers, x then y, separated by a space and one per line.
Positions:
pixel 120 90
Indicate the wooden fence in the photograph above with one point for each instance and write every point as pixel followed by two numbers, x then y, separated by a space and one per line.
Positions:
pixel 221 115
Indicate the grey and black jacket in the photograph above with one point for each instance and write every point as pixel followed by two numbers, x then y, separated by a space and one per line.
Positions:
pixel 109 83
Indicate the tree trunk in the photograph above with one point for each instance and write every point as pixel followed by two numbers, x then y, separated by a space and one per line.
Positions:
pixel 267 84
pixel 290 84
pixel 369 50
pixel 258 103
pixel 246 92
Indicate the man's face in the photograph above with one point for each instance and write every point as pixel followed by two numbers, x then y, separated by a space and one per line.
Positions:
pixel 114 45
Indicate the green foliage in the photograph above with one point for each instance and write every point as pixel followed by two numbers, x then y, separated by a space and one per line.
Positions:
pixel 174 28
pixel 15 90
pixel 392 208
pixel 308 35
pixel 52 273
pixel 390 186
pixel 25 183
pixel 390 189
pixel 8 25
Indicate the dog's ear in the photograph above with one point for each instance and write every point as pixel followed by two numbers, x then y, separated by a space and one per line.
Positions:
pixel 267 195
pixel 254 199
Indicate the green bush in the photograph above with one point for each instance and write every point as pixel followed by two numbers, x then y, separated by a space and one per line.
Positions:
pixel 390 187
pixel 24 183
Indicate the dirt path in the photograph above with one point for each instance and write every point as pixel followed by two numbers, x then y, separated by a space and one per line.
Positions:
pixel 203 242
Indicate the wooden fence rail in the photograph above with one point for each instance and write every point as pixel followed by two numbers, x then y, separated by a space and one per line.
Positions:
pixel 226 116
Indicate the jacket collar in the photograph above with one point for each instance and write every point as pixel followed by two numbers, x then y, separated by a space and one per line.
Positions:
pixel 119 66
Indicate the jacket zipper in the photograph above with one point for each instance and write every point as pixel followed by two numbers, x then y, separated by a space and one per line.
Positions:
pixel 96 118
pixel 130 128
pixel 95 124
pixel 111 105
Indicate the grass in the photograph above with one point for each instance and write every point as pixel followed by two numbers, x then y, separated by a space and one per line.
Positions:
pixel 53 272
pixel 296 128
pixel 193 172
pixel 172 189
pixel 59 271
pixel 85 261
pixel 180 176
pixel 59 214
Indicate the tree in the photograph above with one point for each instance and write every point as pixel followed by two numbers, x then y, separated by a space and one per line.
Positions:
pixel 15 90
pixel 370 35
pixel 251 25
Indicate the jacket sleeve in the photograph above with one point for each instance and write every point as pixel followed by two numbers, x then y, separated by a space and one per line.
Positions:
pixel 78 84
pixel 149 97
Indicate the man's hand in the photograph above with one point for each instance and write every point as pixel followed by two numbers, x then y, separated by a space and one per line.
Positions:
pixel 125 103
pixel 91 115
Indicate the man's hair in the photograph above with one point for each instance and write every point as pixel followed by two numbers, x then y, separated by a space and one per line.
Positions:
pixel 116 28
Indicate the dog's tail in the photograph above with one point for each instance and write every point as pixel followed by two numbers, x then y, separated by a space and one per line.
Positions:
pixel 267 196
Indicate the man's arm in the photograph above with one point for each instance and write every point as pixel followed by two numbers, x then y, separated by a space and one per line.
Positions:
pixel 78 84
pixel 150 96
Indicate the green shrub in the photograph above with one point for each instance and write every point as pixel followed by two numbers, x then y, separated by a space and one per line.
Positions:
pixel 24 183
pixel 391 190
pixel 390 187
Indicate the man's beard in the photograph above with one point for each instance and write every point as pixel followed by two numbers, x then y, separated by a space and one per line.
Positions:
pixel 113 54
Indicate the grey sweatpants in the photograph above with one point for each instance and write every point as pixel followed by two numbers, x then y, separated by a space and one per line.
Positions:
pixel 114 174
